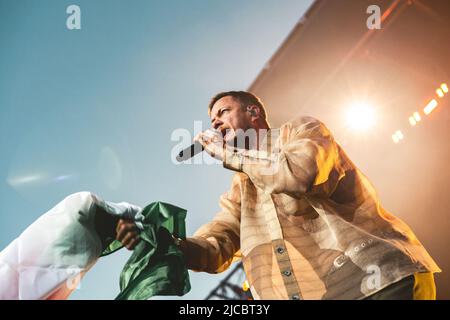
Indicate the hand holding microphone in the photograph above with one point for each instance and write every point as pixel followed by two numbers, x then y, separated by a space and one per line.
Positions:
pixel 210 140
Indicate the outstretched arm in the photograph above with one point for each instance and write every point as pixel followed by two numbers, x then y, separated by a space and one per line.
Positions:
pixel 214 245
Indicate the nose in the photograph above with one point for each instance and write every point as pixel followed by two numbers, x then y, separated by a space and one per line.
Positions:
pixel 216 123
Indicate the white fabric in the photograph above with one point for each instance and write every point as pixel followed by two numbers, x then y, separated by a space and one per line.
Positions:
pixel 51 256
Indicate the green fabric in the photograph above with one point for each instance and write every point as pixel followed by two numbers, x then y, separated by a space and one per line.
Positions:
pixel 157 266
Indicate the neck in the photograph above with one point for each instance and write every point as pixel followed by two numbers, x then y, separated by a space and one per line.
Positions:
pixel 261 131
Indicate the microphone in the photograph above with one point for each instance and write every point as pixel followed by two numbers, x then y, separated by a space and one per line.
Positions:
pixel 195 148
pixel 190 151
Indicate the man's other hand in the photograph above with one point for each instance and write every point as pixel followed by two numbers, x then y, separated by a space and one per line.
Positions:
pixel 128 233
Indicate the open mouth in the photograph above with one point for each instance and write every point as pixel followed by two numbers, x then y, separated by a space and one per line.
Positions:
pixel 227 134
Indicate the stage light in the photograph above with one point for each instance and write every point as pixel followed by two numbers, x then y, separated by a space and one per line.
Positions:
pixel 430 107
pixel 360 116
pixel 395 138
pixel 414 118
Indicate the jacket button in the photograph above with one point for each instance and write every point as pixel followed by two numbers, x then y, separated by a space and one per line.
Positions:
pixel 287 273
pixel 280 250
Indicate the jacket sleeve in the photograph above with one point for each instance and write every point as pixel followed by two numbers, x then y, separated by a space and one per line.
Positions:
pixel 214 246
pixel 307 161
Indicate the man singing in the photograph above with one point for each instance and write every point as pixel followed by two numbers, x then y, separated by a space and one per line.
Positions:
pixel 305 221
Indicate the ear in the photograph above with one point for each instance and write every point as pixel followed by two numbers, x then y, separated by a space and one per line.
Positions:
pixel 254 111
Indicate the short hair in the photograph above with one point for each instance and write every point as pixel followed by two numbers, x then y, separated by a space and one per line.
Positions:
pixel 244 97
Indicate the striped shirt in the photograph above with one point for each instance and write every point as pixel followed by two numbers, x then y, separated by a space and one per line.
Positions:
pixel 306 222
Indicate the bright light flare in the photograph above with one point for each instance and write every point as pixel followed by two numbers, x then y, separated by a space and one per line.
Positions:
pixel 64 177
pixel 18 181
pixel 397 136
pixel 430 107
pixel 440 93
pixel 360 116
pixel 444 87
pixel 414 118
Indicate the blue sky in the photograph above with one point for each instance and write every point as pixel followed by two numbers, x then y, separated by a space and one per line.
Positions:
pixel 94 109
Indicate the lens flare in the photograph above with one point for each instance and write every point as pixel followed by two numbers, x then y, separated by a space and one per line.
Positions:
pixel 360 116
